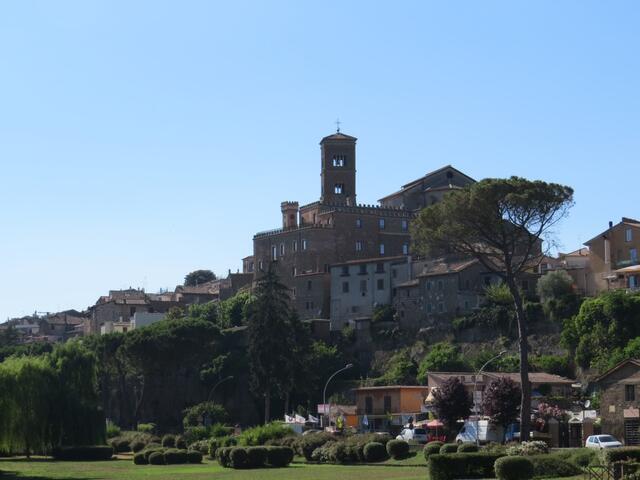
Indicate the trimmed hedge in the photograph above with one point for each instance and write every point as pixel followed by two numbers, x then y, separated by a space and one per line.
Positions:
pixel 431 448
pixel 120 445
pixel 175 456
pixel 88 452
pixel 514 468
pixel 552 466
pixel 582 458
pixel 461 465
pixel 194 456
pixel 156 458
pixel 137 446
pixel 222 455
pixel 238 457
pixel 140 459
pixel 374 452
pixel 449 448
pixel 611 455
pixel 467 448
pixel 216 443
pixel 149 450
pixel 256 457
pixel 308 443
pixel 181 443
pixel 169 441
pixel 279 456
pixel 397 449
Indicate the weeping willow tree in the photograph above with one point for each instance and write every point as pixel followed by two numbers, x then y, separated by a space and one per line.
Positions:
pixel 50 400
pixel 27 416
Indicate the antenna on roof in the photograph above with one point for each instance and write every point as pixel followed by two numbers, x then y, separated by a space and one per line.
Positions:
pixel 338 122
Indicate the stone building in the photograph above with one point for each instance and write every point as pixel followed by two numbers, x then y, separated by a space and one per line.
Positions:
pixel 619 388
pixel 336 229
pixel 359 286
pixel 613 256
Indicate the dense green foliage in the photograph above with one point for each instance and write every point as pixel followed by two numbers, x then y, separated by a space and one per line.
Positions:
pixel 603 328
pixel 441 357
pixel 74 453
pixel 261 434
pixel 550 466
pixel 431 448
pixel 449 448
pixel 198 277
pixel 462 465
pixel 49 401
pixel 397 449
pixel 400 369
pixel 514 468
pixel 467 448
pixel 374 452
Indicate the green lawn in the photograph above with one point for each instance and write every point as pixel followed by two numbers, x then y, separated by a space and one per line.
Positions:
pixel 40 469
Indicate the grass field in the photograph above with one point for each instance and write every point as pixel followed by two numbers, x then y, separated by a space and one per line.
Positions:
pixel 40 469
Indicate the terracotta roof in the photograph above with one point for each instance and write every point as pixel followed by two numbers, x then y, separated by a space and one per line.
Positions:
pixel 624 221
pixel 534 377
pixel 444 268
pixel 390 387
pixel 636 362
pixel 338 136
pixel 418 180
pixel 581 252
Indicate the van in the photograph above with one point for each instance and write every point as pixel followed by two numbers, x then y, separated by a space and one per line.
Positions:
pixel 481 430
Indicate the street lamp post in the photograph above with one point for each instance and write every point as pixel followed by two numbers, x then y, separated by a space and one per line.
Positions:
pixel 475 383
pixel 230 377
pixel 324 392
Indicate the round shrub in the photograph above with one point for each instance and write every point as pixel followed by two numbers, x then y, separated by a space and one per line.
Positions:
pixel 397 449
pixel 149 450
pixel 222 455
pixel 535 447
pixel 238 457
pixel 181 443
pixel 431 448
pixel 174 456
pixel 194 456
pixel 169 441
pixel 308 443
pixel 513 468
pixel 582 458
pixel 374 452
pixel 467 448
pixel 552 466
pixel 137 446
pixel 256 457
pixel 156 458
pixel 449 448
pixel 279 456
pixel 202 446
pixel 140 459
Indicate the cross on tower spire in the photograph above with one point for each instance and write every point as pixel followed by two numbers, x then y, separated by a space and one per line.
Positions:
pixel 338 122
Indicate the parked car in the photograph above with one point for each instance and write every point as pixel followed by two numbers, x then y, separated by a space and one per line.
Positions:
pixel 413 435
pixel 602 441
pixel 482 431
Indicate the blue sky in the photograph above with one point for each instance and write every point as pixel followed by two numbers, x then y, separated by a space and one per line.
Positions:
pixel 142 140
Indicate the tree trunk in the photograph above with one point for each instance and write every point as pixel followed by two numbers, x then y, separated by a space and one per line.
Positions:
pixel 287 399
pixel 523 344
pixel 267 406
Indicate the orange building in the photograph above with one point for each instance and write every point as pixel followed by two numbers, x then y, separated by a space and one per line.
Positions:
pixel 389 407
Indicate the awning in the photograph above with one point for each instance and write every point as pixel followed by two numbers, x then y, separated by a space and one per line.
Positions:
pixel 631 269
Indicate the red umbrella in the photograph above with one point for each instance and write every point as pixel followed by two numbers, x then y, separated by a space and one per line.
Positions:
pixel 435 424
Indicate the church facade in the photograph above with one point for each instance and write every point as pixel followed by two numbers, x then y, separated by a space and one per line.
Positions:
pixel 336 229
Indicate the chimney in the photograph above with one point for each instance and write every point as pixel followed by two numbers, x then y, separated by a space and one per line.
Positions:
pixel 289 214
pixel 610 224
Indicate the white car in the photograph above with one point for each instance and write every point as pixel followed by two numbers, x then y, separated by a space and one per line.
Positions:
pixel 602 441
pixel 416 435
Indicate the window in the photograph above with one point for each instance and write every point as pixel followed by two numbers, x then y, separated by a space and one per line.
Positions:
pixel 282 249
pixel 363 269
pixel 629 393
pixel 363 287
pixel 633 254
pixel 487 281
pixel 309 285
pixel 260 265
pixel 440 285
pixel 381 224
pixel 295 245
pixel 274 252
pixel 429 284
pixel 339 160
pixel 387 404
pixel 440 307
pixel 405 249
pixel 405 225
pixel 428 308
pixel 382 249
pixel 466 304
pixel 358 223
pixel 394 292
pixel 380 284
pixel 394 273
pixel 379 267
pixel 345 287
pixel 628 235
pixel 338 188
pixel 345 271
pixel 304 244
pixel 368 405
pixel 294 291
pixel 294 271
pixel 358 245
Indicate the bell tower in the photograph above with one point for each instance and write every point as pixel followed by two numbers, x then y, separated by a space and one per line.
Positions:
pixel 338 170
